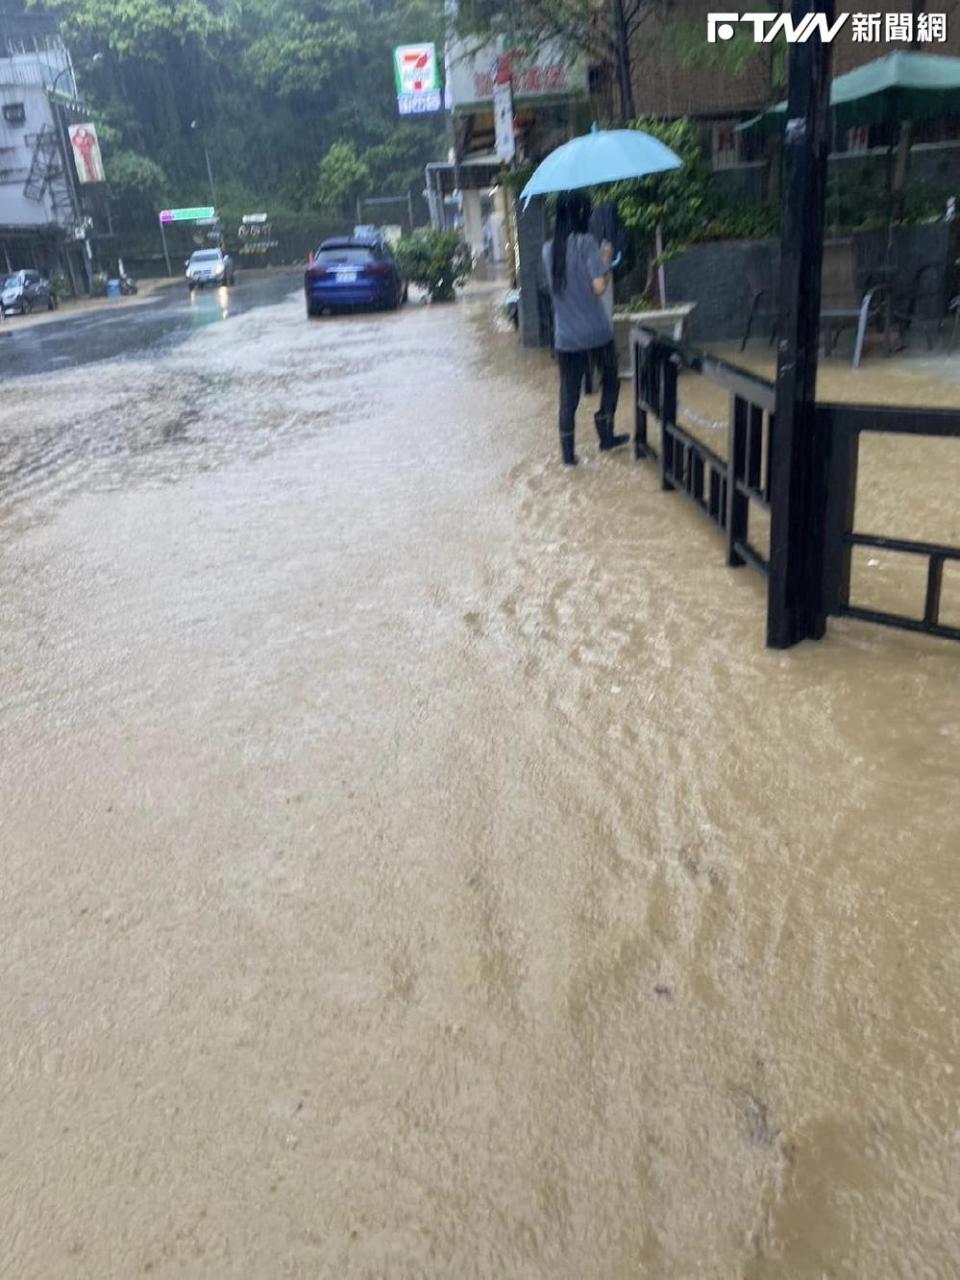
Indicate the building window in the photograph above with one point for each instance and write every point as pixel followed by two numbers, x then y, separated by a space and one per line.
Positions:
pixel 14 113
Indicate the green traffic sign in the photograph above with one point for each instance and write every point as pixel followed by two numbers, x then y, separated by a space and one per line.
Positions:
pixel 187 215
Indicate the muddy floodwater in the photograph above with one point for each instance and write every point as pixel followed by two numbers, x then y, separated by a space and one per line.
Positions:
pixel 413 863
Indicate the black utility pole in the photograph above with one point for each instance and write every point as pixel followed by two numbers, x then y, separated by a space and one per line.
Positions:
pixel 796 606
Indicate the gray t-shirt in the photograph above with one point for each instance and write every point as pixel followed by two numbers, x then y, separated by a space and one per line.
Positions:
pixel 580 320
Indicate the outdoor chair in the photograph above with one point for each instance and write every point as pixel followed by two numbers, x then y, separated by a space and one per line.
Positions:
pixel 955 308
pixel 762 270
pixel 920 304
pixel 843 305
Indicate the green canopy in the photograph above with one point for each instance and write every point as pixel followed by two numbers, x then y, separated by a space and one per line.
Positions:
pixel 901 86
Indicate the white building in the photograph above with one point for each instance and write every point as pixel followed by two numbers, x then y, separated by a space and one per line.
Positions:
pixel 42 219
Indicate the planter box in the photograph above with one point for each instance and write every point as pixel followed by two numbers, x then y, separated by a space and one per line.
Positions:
pixel 669 320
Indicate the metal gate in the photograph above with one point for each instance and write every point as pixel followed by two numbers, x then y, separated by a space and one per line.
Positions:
pixel 725 489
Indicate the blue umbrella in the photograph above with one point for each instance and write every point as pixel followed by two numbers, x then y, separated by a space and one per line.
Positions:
pixel 607 155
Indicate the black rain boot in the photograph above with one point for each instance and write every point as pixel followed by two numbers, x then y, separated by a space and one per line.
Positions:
pixel 566 448
pixel 608 439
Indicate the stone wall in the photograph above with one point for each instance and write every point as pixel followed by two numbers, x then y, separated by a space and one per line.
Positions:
pixel 720 278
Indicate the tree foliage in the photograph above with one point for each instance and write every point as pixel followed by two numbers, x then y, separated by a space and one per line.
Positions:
pixel 273 86
pixel 678 200
pixel 683 42
pixel 341 177
pixel 686 204
pixel 134 178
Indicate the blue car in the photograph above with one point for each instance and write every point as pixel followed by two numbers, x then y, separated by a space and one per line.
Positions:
pixel 351 272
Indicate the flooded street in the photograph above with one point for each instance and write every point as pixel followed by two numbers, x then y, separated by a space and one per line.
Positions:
pixel 413 863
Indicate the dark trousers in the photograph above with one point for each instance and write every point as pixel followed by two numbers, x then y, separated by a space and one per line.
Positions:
pixel 573 366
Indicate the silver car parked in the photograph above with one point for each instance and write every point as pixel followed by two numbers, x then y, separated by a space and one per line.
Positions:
pixel 27 291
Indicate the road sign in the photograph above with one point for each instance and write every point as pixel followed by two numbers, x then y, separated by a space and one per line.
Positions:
pixel 419 104
pixel 415 68
pixel 503 121
pixel 417 76
pixel 186 215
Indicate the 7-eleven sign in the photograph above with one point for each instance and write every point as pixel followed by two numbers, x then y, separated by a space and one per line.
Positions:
pixel 415 68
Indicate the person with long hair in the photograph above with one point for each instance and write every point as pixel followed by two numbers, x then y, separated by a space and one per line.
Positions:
pixel 578 277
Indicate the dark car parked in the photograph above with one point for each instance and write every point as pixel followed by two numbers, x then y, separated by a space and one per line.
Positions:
pixel 27 291
pixel 351 272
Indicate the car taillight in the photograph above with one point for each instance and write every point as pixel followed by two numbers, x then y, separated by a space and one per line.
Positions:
pixel 379 268
pixel 314 271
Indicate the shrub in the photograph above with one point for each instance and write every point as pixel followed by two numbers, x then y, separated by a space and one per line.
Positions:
pixel 60 285
pixel 98 285
pixel 436 260
pixel 730 221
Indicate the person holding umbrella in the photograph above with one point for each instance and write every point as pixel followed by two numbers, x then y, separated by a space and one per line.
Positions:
pixel 578 276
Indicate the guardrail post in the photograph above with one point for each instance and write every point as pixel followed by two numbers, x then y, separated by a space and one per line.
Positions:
pixel 668 415
pixel 738 507
pixel 795 605
pixel 639 393
pixel 843 451
pixel 931 611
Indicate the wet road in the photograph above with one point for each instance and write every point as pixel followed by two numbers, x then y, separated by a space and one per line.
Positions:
pixel 414 865
pixel 129 327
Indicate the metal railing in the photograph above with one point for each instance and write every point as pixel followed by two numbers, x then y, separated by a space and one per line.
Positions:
pixel 844 426
pixel 726 489
pixel 722 488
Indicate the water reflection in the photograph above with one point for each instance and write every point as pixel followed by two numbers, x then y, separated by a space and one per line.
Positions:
pixel 210 305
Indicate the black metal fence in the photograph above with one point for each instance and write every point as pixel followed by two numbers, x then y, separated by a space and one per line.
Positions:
pixel 722 488
pixel 844 425
pixel 727 489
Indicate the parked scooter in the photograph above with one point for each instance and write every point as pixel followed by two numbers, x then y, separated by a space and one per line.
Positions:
pixel 128 285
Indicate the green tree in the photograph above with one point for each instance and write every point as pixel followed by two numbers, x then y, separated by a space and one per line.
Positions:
pixel 678 202
pixel 341 176
pixel 272 84
pixel 135 182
